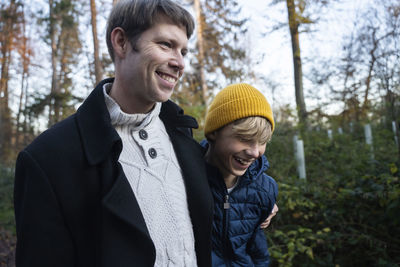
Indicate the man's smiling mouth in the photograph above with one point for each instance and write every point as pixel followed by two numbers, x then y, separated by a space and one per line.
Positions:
pixel 166 77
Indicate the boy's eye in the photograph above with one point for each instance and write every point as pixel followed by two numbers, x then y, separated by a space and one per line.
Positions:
pixel 250 140
pixel 245 140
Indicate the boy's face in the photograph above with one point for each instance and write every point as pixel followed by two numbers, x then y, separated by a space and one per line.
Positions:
pixel 231 154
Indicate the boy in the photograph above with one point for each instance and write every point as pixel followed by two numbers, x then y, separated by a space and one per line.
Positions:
pixel 238 125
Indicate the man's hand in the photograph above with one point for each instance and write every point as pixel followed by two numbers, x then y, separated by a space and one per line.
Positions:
pixel 265 224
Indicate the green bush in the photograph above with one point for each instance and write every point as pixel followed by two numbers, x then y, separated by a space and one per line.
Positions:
pixel 345 214
pixel 347 211
pixel 6 198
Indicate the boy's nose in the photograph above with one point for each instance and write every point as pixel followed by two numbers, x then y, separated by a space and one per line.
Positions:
pixel 253 151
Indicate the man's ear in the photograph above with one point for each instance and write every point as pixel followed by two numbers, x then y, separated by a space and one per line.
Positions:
pixel 119 42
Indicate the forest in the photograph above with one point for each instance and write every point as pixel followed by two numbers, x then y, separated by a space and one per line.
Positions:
pixel 339 190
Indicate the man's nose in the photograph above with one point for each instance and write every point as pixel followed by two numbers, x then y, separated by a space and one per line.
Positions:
pixel 177 62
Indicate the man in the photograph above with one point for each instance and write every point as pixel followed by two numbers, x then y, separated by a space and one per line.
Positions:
pixel 121 182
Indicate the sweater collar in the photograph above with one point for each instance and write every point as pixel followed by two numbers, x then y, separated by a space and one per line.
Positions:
pixel 120 118
pixel 100 139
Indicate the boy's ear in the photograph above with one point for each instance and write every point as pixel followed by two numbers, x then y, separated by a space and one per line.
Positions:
pixel 212 136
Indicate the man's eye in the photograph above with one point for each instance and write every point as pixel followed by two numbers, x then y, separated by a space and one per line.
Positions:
pixel 184 52
pixel 166 44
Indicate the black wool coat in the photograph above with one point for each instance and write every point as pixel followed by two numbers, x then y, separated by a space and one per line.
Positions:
pixel 74 205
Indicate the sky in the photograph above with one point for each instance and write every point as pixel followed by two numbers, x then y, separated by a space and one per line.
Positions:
pixel 275 48
pixel 272 51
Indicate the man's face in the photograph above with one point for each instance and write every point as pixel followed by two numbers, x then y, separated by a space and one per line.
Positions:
pixel 231 154
pixel 150 72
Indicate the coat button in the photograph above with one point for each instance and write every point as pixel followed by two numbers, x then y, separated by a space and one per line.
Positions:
pixel 152 153
pixel 143 134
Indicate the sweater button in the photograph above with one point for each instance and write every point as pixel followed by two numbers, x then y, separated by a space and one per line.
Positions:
pixel 143 134
pixel 152 153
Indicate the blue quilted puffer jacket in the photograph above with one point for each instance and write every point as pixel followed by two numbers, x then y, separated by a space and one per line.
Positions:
pixel 237 238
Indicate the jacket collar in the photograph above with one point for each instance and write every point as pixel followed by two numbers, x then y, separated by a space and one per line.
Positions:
pixel 257 168
pixel 172 115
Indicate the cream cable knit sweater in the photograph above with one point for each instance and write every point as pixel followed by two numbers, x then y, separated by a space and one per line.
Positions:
pixel 150 164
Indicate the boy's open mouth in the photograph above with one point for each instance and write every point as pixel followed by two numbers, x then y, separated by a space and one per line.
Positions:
pixel 242 161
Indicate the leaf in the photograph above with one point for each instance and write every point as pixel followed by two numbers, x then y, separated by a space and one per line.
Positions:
pixel 296 215
pixel 310 253
pixel 393 168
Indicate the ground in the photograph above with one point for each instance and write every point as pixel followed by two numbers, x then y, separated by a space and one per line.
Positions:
pixel 7 248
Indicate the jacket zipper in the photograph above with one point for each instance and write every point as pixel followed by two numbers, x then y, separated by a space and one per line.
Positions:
pixel 225 230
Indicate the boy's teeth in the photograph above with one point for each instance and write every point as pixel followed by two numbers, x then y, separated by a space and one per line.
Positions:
pixel 242 161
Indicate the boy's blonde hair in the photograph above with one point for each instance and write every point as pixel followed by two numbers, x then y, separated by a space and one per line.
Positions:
pixel 253 128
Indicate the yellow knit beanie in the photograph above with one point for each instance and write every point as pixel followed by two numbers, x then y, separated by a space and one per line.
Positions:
pixel 235 102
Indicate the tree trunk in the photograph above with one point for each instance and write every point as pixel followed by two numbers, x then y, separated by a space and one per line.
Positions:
pixel 25 56
pixel 391 112
pixel 26 114
pixel 298 73
pixel 200 44
pixel 20 111
pixel 7 39
pixel 370 69
pixel 98 69
pixel 54 80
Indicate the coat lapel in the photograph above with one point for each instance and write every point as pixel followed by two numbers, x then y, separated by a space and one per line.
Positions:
pixel 121 202
pixel 190 156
